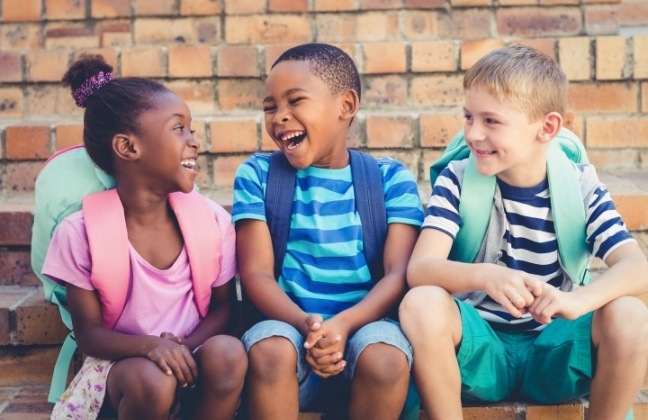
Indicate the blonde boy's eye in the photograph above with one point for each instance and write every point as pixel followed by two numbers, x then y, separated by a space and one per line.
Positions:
pixel 490 121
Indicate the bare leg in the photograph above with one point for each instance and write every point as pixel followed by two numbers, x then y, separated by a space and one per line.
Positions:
pixel 380 383
pixel 138 389
pixel 432 323
pixel 620 337
pixel 272 388
pixel 222 363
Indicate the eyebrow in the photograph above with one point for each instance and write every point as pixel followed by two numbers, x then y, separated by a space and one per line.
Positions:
pixel 288 93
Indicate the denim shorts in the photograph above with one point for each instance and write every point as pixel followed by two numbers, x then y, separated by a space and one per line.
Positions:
pixel 384 331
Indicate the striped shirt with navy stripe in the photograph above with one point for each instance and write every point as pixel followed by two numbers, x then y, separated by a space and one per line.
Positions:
pixel 324 270
pixel 529 243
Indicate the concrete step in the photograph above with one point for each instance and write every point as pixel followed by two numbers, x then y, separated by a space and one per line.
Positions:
pixel 30 403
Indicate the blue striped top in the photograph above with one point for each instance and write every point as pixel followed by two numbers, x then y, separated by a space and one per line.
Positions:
pixel 324 270
pixel 529 243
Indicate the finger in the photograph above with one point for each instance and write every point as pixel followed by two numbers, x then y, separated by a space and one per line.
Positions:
pixel 516 299
pixel 177 371
pixel 162 364
pixel 533 285
pixel 314 322
pixel 329 341
pixel 192 366
pixel 508 306
pixel 327 360
pixel 312 338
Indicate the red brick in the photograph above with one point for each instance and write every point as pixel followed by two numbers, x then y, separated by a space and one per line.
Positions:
pixel 613 159
pixel 632 208
pixel 240 94
pixel 10 66
pixel 572 411
pixel 117 33
pixel 384 57
pixel 617 132
pixel 143 62
pixel 545 45
pixel 288 5
pixel 377 26
pixel 38 322
pixel 272 52
pixel 390 131
pixel 22 36
pixel 204 178
pixel 176 30
pixel 27 365
pixel 11 102
pixel 604 1
pixel 15 226
pixel 110 8
pixel 421 25
pixel 62 34
pixel 225 169
pixel 4 329
pixel 267 145
pixel 200 133
pixel 21 177
pixel 437 129
pixel 238 60
pixel 65 9
pixel 235 135
pixel 518 2
pixel 491 412
pixel 575 57
pixel 559 2
pixel 154 7
pixel 68 135
pixel 28 142
pixel 355 136
pixel 425 4
pixel 470 3
pixel 190 61
pixel 247 7
pixel 428 156
pixel 334 5
pixel 49 100
pixel 384 91
pixel 465 24
pixel 46 65
pixel 471 51
pixel 437 91
pixel 433 56
pixel 633 13
pixel 380 4
pixel 640 45
pixel 22 11
pixel 109 54
pixel 268 29
pixel 200 7
pixel 15 266
pixel 611 54
pixel 199 96
pixel 604 98
pixel 644 97
pixel 601 20
pixel 539 21
pixel 333 27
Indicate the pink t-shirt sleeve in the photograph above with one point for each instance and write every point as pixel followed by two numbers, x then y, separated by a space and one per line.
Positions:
pixel 229 267
pixel 68 256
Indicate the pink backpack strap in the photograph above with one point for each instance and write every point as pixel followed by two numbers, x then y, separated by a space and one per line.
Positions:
pixel 203 241
pixel 105 223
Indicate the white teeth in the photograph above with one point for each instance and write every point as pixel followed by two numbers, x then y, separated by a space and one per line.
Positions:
pixel 292 135
pixel 189 163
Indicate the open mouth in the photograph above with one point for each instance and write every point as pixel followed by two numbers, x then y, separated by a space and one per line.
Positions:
pixel 190 164
pixel 484 152
pixel 293 139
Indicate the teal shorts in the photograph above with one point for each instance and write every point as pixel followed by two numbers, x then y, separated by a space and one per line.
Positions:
pixel 548 367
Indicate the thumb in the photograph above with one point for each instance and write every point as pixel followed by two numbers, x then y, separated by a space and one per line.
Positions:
pixel 314 322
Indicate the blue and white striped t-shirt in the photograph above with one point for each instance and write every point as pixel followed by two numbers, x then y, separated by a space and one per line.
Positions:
pixel 529 243
pixel 324 270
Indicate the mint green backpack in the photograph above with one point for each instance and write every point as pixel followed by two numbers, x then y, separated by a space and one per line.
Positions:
pixel 66 178
pixel 566 202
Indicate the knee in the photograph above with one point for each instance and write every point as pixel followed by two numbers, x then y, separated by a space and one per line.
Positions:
pixel 272 358
pixel 223 362
pixel 150 387
pixel 426 308
pixel 623 323
pixel 382 365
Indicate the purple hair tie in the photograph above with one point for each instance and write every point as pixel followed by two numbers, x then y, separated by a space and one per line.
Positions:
pixel 91 85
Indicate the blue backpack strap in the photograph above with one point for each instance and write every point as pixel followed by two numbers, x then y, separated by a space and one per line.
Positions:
pixel 280 188
pixel 370 203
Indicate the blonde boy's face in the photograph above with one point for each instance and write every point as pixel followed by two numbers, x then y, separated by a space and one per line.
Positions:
pixel 503 140
pixel 303 118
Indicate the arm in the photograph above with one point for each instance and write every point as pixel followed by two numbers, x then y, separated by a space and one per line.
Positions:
pixel 256 269
pixel 97 341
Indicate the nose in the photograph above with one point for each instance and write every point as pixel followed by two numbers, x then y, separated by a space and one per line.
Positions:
pixel 281 117
pixel 194 142
pixel 473 132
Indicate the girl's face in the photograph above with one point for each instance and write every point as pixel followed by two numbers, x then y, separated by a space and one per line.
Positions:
pixel 168 147
pixel 303 117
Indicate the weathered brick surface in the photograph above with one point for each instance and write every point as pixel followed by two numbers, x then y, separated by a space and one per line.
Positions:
pixel 617 132
pixel 11 102
pixel 471 51
pixel 334 5
pixel 233 135
pixel 20 36
pixel 199 95
pixel 154 7
pixel 143 62
pixel 437 91
pixel 46 65
pixel 46 100
pixel 65 9
pixel 240 94
pixel 633 13
pixel 10 66
pixel 237 60
pixel 434 56
pixel 288 5
pixel 21 177
pixel 533 22
pixel 437 129
pixel 611 58
pixel 22 11
pixel 640 55
pixel 110 8
pixel 38 322
pixel 390 131
pixel 384 57
pixel 267 29
pixel 31 365
pixel 575 57
pixel 225 169
pixel 190 61
pixel 236 7
pixel 15 268
pixel 604 98
pixel 200 7
pixel 15 228
pixel 465 24
pixel 67 135
pixel 28 142
pixel 601 20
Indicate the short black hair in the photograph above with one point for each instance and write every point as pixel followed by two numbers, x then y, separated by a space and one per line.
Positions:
pixel 327 62
pixel 112 109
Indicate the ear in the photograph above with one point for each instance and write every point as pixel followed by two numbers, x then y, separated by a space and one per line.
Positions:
pixel 551 125
pixel 350 105
pixel 125 147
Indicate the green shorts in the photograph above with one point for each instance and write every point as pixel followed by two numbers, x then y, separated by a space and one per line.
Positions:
pixel 548 367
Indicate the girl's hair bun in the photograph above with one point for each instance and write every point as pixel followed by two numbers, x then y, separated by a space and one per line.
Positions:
pixel 86 76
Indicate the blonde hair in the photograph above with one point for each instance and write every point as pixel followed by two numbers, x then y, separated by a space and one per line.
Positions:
pixel 522 76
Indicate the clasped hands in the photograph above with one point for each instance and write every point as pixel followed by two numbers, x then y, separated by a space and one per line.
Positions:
pixel 325 344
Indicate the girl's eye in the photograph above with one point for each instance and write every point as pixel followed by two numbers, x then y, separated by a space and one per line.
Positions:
pixel 179 128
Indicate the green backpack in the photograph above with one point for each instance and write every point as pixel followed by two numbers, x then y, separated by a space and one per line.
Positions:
pixel 55 198
pixel 566 202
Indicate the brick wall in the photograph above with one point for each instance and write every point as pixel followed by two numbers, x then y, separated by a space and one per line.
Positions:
pixel 411 54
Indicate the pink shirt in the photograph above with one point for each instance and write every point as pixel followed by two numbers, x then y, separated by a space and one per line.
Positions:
pixel 157 300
